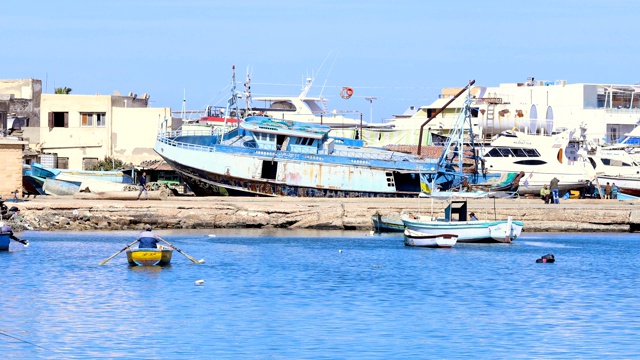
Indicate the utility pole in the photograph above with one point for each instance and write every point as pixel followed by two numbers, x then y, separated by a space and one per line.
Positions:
pixel 370 100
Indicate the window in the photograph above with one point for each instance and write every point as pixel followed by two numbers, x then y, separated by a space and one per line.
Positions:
pixel 88 163
pixel 86 119
pixel 58 119
pixel 63 163
pixel 101 119
pixel 89 119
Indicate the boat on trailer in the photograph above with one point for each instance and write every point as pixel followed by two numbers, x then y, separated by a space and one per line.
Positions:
pixel 420 239
pixel 149 257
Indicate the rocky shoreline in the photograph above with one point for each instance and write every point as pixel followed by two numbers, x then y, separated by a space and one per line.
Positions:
pixel 61 213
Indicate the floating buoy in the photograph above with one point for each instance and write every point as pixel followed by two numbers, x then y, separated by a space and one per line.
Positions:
pixel 212 235
pixel 201 261
pixel 199 282
pixel 340 250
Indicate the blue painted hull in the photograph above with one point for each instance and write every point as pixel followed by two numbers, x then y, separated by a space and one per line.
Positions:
pixel 4 241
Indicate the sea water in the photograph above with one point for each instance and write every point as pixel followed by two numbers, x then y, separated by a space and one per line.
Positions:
pixel 320 295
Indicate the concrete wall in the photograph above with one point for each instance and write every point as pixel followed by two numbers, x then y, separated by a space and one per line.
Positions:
pixel 10 167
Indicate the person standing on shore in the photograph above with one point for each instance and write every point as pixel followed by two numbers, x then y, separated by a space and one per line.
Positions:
pixel 614 191
pixel 143 186
pixel 554 190
pixel 607 191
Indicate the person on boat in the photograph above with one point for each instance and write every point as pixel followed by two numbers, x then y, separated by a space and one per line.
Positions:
pixel 545 194
pixel 614 191
pixel 473 216
pixel 143 186
pixel 147 239
pixel 554 190
pixel 607 191
pixel 5 228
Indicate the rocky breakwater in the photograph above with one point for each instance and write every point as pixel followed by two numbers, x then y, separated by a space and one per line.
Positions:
pixel 62 213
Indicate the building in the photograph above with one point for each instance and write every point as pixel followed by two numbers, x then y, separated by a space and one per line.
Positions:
pixel 76 131
pixel 604 111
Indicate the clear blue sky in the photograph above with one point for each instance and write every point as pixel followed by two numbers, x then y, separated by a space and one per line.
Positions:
pixel 402 52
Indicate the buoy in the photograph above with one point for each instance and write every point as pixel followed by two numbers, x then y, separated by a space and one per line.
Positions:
pixel 549 258
pixel 212 235
pixel 340 250
pixel 199 282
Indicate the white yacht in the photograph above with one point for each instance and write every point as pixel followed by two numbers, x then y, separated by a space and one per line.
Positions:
pixel 303 108
pixel 541 158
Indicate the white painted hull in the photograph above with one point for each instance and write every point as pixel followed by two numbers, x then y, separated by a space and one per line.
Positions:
pixel 467 231
pixel 94 185
pixel 419 239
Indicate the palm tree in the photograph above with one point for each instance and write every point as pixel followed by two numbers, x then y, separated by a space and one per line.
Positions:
pixel 64 90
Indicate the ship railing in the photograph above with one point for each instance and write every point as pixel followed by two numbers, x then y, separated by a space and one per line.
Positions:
pixel 169 139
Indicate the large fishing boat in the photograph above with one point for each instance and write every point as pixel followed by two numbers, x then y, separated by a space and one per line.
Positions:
pixel 272 157
pixel 276 157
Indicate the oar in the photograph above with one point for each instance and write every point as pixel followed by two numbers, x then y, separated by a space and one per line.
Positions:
pixel 201 261
pixel 23 242
pixel 116 254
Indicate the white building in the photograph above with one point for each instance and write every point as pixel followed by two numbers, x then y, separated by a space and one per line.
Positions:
pixel 606 111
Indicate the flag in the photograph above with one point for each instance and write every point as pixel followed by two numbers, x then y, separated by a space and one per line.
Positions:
pixel 424 184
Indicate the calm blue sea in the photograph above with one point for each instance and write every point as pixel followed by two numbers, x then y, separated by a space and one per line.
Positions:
pixel 294 295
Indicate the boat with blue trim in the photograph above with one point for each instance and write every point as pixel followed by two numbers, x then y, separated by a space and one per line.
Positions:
pixel 264 156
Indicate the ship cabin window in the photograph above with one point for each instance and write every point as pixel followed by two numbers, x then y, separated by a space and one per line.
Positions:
pixel 314 106
pixel 305 141
pixel 613 162
pixel 507 152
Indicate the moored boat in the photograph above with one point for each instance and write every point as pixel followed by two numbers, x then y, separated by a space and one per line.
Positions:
pixel 467 230
pixel 149 257
pixel 420 239
pixel 388 223
pixel 5 239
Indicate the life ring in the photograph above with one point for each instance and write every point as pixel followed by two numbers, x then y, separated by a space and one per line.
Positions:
pixel 346 92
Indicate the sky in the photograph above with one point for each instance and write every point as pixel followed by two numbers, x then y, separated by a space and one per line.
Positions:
pixel 402 52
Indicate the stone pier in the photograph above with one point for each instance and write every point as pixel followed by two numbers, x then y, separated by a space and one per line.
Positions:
pixel 59 213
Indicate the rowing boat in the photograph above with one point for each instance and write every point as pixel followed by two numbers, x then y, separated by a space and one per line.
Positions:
pixel 149 257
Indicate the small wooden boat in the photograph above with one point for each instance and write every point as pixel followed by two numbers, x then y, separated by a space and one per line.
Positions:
pixel 149 257
pixel 389 223
pixel 5 239
pixel 416 238
pixel 60 187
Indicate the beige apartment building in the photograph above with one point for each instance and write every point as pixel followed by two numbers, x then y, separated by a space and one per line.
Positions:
pixel 76 131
